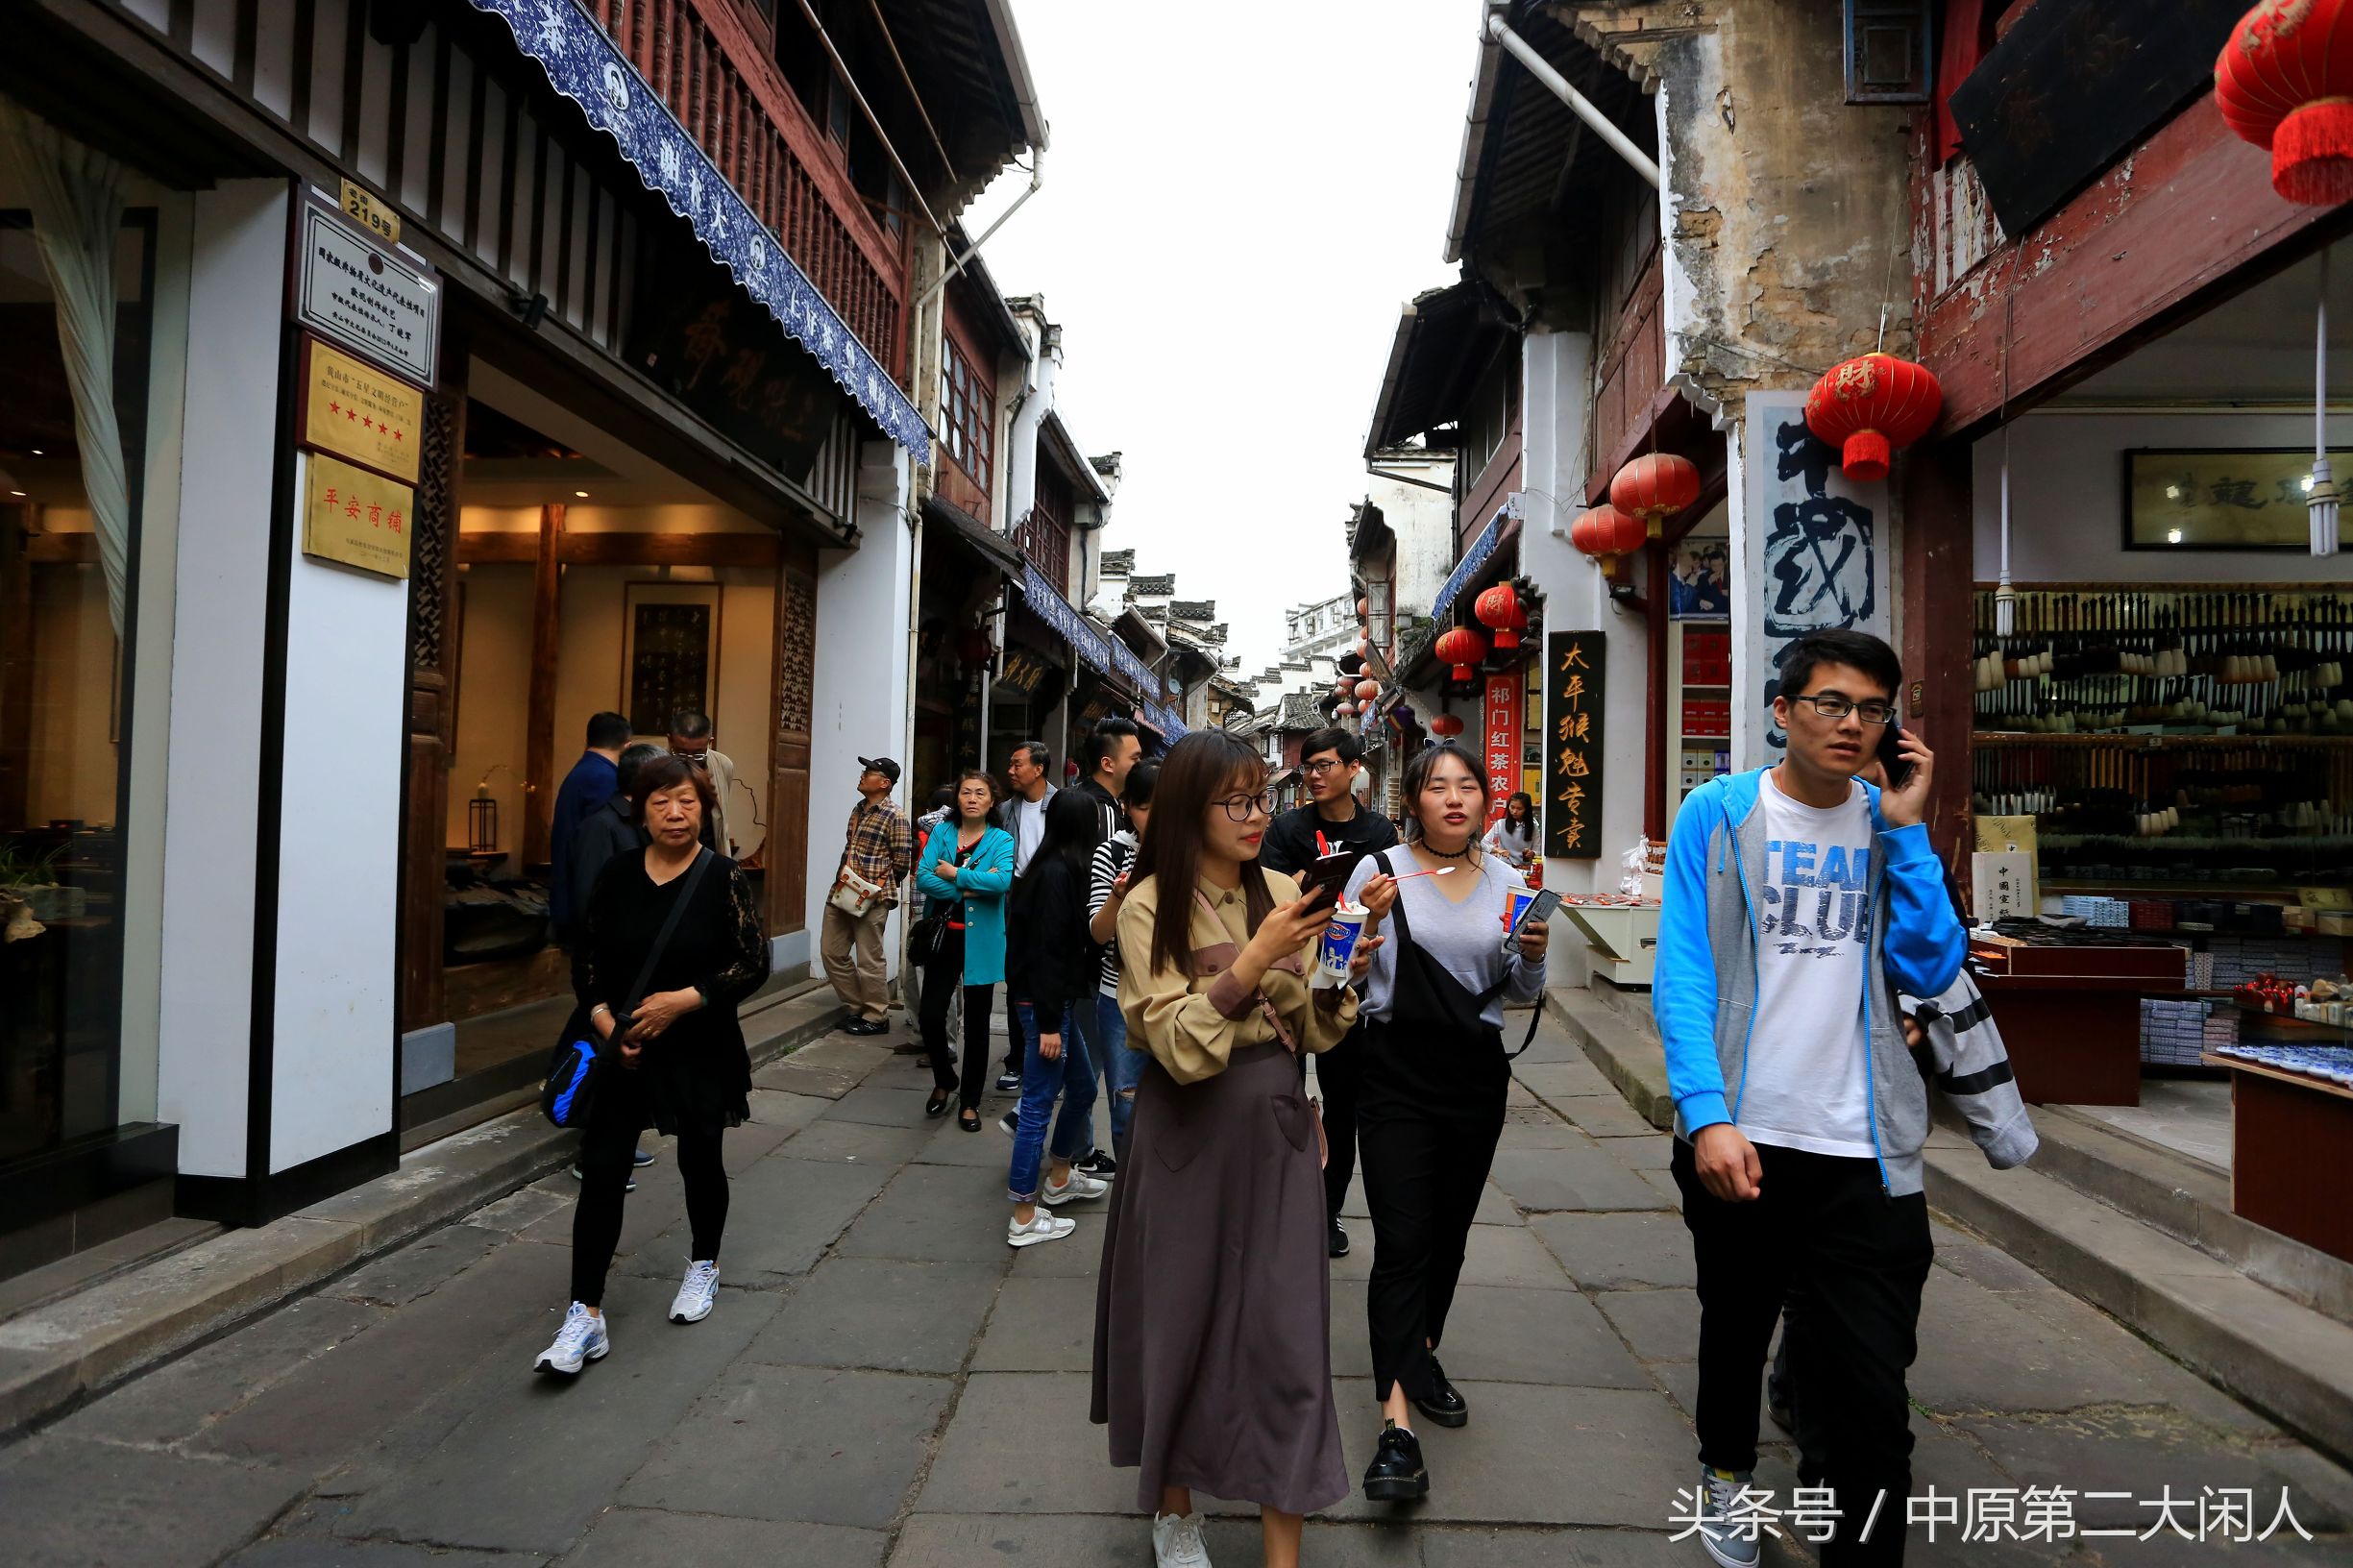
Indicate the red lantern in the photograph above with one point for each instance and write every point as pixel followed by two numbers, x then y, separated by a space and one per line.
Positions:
pixel 1606 533
pixel 1655 488
pixel 1871 405
pixel 2285 81
pixel 1364 606
pixel 1463 649
pixel 1346 710
pixel 1367 690
pixel 1445 726
pixel 1499 607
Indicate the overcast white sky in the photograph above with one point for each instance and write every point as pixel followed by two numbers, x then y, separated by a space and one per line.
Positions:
pixel 1237 198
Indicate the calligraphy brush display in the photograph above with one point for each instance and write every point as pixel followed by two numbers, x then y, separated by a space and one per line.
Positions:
pixel 2270 659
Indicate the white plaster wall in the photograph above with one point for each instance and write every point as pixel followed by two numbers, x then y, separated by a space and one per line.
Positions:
pixel 2067 497
pixel 339 857
pixel 860 703
pixel 205 1031
pixel 1555 406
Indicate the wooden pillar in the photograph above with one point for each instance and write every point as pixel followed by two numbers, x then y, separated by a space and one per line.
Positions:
pixel 1938 555
pixel 433 706
pixel 786 854
pixel 1657 767
pixel 16 662
pixel 539 735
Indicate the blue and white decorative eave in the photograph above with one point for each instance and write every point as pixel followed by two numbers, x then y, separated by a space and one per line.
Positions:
pixel 583 65
pixel 1473 560
pixel 1105 654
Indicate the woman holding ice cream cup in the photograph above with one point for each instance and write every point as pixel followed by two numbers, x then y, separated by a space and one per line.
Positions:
pixel 1431 1105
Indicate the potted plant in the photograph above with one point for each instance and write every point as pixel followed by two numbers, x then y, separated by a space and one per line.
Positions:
pixel 30 892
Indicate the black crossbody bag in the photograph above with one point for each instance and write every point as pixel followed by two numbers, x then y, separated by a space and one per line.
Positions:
pixel 577 1067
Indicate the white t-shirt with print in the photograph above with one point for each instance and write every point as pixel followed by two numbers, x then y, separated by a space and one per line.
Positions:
pixel 1807 1087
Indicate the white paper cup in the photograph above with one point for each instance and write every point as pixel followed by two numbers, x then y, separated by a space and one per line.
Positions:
pixel 1339 941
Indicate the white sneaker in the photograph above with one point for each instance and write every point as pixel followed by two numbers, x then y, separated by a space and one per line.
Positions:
pixel 696 1294
pixel 1176 1541
pixel 580 1340
pixel 1042 1226
pixel 1079 1188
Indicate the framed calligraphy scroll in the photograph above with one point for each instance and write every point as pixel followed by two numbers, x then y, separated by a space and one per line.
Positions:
pixel 1573 688
pixel 669 654
pixel 2246 498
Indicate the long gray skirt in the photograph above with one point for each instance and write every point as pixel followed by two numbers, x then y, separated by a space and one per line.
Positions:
pixel 1212 1326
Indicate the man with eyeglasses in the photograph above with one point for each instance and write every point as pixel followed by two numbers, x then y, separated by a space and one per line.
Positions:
pixel 690 740
pixel 1800 900
pixel 1334 820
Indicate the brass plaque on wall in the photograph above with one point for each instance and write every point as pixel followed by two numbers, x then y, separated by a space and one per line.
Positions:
pixel 356 518
pixel 359 412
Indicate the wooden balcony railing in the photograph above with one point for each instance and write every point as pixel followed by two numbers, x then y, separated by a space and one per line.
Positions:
pixel 724 87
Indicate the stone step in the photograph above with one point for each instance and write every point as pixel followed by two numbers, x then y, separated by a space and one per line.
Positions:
pixel 2188 1201
pixel 1626 1051
pixel 2287 1360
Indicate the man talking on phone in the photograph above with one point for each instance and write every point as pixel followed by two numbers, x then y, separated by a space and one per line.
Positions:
pixel 1333 821
pixel 1799 901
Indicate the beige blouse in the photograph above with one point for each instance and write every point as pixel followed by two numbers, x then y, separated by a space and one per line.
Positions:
pixel 1193 1027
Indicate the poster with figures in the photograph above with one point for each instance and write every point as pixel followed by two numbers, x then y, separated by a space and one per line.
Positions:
pixel 1812 549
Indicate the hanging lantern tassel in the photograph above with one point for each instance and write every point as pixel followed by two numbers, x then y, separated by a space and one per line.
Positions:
pixel 2323 504
pixel 2005 597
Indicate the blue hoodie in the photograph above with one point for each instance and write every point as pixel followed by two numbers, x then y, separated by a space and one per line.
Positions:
pixel 1704 993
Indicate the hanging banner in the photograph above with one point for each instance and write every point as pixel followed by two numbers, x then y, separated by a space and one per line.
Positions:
pixel 1812 555
pixel 583 65
pixel 1502 714
pixel 1572 686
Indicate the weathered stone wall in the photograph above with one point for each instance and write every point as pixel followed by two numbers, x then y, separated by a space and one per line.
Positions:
pixel 1786 211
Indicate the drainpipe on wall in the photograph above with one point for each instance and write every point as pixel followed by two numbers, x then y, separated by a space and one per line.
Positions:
pixel 1599 123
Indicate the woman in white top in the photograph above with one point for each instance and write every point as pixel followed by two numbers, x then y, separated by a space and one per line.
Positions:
pixel 1512 840
pixel 1429 1105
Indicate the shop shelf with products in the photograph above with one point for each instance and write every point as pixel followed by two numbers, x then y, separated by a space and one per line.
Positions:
pixel 1698 705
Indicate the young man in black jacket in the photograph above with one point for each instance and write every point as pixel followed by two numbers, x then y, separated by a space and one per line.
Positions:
pixel 1335 819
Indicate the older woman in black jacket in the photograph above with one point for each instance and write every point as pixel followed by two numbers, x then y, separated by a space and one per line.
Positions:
pixel 1049 968
pixel 672 1053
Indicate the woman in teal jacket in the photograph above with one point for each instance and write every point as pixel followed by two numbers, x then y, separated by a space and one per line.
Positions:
pixel 965 871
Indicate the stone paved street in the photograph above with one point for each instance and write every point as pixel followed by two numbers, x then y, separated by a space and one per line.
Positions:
pixel 884 1381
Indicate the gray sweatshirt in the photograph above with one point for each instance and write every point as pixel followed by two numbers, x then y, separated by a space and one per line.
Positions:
pixel 1466 937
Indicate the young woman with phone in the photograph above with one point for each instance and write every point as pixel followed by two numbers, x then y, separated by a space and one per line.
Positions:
pixel 1430 1107
pixel 1213 1347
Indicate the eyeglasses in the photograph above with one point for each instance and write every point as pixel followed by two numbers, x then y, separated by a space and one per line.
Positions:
pixel 1238 807
pixel 1831 705
pixel 1317 770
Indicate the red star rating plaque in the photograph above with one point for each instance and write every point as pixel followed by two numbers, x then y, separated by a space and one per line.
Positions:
pixel 358 413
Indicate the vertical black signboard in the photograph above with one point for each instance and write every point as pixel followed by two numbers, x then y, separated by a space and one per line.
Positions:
pixel 1573 685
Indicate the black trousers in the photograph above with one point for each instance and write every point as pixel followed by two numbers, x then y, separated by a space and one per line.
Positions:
pixel 1339 1073
pixel 1859 1261
pixel 616 1116
pixel 1425 1160
pixel 943 977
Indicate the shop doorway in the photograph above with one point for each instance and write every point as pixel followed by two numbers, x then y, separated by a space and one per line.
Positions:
pixel 589 581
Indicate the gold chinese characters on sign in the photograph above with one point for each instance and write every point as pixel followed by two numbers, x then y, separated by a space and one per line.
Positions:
pixel 355 517
pixel 1573 685
pixel 359 414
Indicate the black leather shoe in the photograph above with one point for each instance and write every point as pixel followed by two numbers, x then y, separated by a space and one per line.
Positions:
pixel 1338 1243
pixel 1448 1409
pixel 1397 1473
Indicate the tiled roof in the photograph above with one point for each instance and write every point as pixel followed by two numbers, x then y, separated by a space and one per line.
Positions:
pixel 1153 586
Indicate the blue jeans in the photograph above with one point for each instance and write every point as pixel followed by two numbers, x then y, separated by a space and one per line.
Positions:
pixel 1119 1069
pixel 1072 1077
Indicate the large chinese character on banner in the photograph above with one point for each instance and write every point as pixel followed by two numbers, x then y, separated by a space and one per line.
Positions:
pixel 1572 686
pixel 1502 713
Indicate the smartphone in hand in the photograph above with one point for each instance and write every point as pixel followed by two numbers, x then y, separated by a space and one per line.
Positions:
pixel 1328 876
pixel 1892 761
